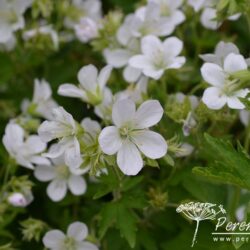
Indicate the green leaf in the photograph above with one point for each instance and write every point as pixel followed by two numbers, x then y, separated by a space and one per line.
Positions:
pixel 108 217
pixel 227 165
pixel 127 224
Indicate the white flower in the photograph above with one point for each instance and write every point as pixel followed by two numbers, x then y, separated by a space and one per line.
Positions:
pixel 91 87
pixel 63 127
pixel 42 101
pixel 61 178
pixel 85 9
pixel 11 17
pixel 119 58
pixel 130 135
pixel 9 44
pixel 158 56
pixel 170 10
pixel 222 50
pixel 74 240
pixel 26 151
pixel 147 20
pixel 224 89
pixel 43 31
pixel 20 200
pixel 208 19
pixel 86 29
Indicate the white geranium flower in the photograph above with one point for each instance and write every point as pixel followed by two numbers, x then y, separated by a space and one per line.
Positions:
pixel 61 178
pixel 11 17
pixel 73 240
pixel 26 151
pixel 224 89
pixel 63 127
pixel 208 19
pixel 91 87
pixel 130 135
pixel 86 29
pixel 158 56
pixel 222 50
pixel 85 9
pixel 47 31
pixel 119 58
pixel 170 10
pixel 147 20
pixel 42 101
pixel 18 199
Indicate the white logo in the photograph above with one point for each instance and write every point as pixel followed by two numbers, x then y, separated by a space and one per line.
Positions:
pixel 198 211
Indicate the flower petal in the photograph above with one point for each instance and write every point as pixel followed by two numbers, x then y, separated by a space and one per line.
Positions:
pixel 117 58
pixel 34 144
pixel 131 74
pixel 150 143
pixel 53 239
pixel 104 76
pixel 44 173
pixel 173 46
pixel 213 98
pixel 123 112
pixel 234 103
pixel 110 140
pixel 129 159
pixel 78 231
pixel 148 114
pixel 71 91
pixel 77 185
pixel 86 246
pixel 234 63
pixel 140 62
pixel 213 74
pixel 150 45
pixel 57 190
pixel 87 76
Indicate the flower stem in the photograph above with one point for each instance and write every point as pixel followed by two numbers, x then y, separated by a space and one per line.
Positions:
pixel 195 233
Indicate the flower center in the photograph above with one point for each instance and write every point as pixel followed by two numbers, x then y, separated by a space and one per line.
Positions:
pixel 69 243
pixel 62 172
pixel 231 86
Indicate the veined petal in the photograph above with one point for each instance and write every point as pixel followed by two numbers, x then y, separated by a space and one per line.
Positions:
pixel 87 76
pixel 78 231
pixel 148 114
pixel 150 143
pixel 71 91
pixel 57 190
pixel 40 160
pixel 123 112
pixel 129 159
pixel 213 98
pixel 110 140
pixel 153 73
pixel 213 74
pixel 177 62
pixel 77 185
pixel 53 239
pixel 234 63
pixel 44 173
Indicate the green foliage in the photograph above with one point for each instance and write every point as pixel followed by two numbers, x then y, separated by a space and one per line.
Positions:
pixel 228 166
